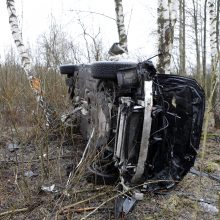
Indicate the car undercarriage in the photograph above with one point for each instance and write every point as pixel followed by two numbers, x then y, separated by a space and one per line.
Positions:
pixel 146 126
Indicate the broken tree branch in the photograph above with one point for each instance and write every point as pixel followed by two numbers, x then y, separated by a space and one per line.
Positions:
pixel 106 201
pixel 93 12
pixel 80 210
pixel 15 211
pixel 37 160
pixel 65 208
pixel 88 190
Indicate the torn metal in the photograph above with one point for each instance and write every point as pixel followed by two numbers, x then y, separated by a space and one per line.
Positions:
pixel 124 205
pixel 147 126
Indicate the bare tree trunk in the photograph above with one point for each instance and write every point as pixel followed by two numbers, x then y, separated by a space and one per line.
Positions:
pixel 123 41
pixel 35 83
pixel 204 46
pixel 166 21
pixel 213 33
pixel 180 36
pixel 214 78
pixel 184 38
pixel 215 21
pixel 218 25
pixel 214 56
pixel 182 41
pixel 195 20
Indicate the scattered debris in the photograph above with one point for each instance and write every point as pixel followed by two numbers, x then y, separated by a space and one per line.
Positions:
pixel 30 174
pixel 203 174
pixel 209 208
pixel 124 205
pixel 12 147
pixel 138 196
pixel 44 156
pixel 49 188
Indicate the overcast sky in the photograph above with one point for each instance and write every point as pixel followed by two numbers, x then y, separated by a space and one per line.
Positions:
pixel 35 17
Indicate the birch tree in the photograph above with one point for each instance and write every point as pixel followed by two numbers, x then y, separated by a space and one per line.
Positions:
pixel 214 38
pixel 204 45
pixel 167 13
pixel 214 79
pixel 217 106
pixel 213 33
pixel 34 81
pixel 196 31
pixel 182 37
pixel 123 41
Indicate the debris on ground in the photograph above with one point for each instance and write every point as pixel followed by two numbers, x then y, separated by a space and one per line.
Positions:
pixel 209 208
pixel 12 147
pixel 49 188
pixel 30 174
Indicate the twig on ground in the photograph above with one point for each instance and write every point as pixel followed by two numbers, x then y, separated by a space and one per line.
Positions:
pixel 15 211
pixel 65 208
pixel 194 198
pixel 108 200
pixel 89 190
pixel 120 194
pixel 36 161
pixel 80 210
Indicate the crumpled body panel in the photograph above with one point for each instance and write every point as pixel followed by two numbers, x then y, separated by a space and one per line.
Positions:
pixel 113 98
pixel 176 128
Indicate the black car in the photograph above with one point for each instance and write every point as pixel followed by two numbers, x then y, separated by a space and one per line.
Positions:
pixel 145 126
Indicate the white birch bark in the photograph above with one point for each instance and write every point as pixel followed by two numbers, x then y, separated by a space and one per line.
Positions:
pixel 214 78
pixel 197 43
pixel 35 83
pixel 204 46
pixel 213 31
pixel 120 24
pixel 217 106
pixel 167 15
pixel 215 56
pixel 182 38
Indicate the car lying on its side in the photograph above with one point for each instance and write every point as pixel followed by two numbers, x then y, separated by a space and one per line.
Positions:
pixel 146 125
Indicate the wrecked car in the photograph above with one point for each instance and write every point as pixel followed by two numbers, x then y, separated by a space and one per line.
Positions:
pixel 147 126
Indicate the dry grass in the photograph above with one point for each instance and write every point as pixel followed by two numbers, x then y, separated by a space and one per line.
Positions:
pixel 49 155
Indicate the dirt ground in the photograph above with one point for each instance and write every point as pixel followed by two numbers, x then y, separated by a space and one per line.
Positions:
pixel 35 164
pixel 32 159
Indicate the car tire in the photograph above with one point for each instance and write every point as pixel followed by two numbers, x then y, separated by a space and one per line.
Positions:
pixel 109 69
